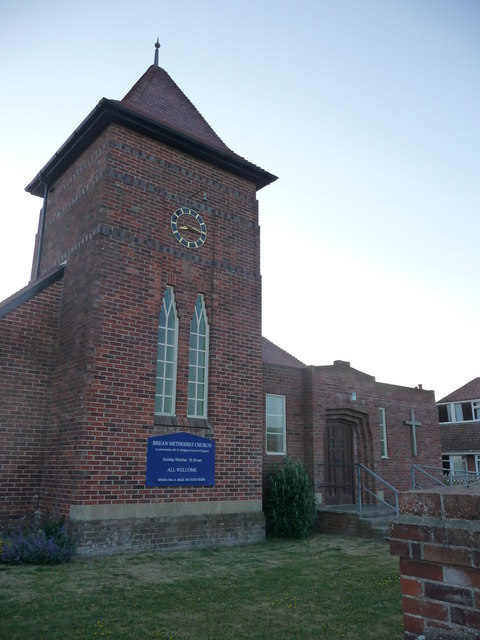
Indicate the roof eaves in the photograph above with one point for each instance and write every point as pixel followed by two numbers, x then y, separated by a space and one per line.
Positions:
pixel 108 111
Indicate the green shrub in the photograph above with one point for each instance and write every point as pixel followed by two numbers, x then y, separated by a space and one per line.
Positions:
pixel 47 543
pixel 290 507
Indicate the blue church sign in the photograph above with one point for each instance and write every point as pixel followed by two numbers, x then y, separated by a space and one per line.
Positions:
pixel 180 459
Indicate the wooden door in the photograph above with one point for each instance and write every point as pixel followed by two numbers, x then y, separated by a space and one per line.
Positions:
pixel 339 469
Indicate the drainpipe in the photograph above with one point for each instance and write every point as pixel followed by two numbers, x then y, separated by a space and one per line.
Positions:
pixel 41 231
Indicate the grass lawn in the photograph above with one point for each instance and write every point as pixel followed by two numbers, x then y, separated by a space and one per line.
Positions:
pixel 323 587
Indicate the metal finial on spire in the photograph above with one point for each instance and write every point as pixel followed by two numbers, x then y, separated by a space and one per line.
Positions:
pixel 157 47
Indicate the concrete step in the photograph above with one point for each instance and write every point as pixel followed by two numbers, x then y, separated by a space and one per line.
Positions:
pixel 378 521
pixel 380 525
pixel 374 522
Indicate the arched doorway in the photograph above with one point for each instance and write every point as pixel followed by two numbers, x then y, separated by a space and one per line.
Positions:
pixel 347 440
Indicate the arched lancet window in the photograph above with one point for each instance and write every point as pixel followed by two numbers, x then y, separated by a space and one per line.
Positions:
pixel 198 366
pixel 167 356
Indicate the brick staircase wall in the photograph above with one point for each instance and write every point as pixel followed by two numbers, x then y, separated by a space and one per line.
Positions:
pixel 437 538
pixel 346 524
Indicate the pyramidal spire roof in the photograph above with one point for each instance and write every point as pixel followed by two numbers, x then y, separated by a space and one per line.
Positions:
pixel 156 96
pixel 156 107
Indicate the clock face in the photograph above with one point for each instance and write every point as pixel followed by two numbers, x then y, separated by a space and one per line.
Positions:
pixel 188 228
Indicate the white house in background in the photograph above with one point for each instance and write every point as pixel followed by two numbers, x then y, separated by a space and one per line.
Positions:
pixel 459 417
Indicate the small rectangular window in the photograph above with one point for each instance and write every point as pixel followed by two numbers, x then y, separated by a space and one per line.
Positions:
pixel 467 411
pixel 458 467
pixel 275 424
pixel 443 413
pixel 458 412
pixel 476 410
pixel 477 464
pixel 383 432
pixel 451 412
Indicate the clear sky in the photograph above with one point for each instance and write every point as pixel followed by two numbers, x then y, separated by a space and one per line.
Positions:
pixel 367 110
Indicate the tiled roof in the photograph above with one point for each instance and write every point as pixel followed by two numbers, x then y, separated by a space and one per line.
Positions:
pixel 155 107
pixel 274 355
pixel 469 391
pixel 460 437
pixel 156 96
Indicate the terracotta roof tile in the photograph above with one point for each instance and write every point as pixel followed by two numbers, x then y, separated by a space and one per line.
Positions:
pixel 469 391
pixel 156 96
pixel 274 355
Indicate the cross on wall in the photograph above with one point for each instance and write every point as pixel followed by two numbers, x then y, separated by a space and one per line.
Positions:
pixel 413 424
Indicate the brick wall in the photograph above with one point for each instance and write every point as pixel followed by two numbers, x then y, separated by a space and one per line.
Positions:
pixel 315 395
pixel 290 382
pixel 109 217
pixel 27 360
pixel 331 390
pixel 173 532
pixel 438 539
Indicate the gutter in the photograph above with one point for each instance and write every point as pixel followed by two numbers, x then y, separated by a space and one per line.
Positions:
pixel 41 232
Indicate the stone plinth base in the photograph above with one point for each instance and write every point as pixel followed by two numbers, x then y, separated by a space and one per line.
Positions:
pixel 106 536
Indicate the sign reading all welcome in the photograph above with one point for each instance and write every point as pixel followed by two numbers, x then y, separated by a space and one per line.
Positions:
pixel 180 459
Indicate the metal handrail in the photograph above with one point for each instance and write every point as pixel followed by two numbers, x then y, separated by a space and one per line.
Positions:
pixel 448 478
pixel 422 469
pixel 395 491
pixel 363 486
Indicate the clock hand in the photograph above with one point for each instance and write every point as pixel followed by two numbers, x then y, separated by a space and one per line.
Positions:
pixel 184 227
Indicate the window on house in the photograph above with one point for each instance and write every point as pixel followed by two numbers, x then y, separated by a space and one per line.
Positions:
pixel 383 432
pixel 476 409
pixel 463 411
pixel 198 363
pixel 477 463
pixel 445 465
pixel 443 413
pixel 276 424
pixel 458 466
pixel 459 411
pixel 167 356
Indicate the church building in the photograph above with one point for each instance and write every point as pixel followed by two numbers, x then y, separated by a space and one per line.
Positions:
pixel 137 396
pixel 345 427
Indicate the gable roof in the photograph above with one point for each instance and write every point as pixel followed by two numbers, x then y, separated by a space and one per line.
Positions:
pixel 157 108
pixel 156 96
pixel 469 391
pixel 271 354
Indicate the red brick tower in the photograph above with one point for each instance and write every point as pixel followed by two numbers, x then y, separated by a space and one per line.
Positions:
pixel 146 207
